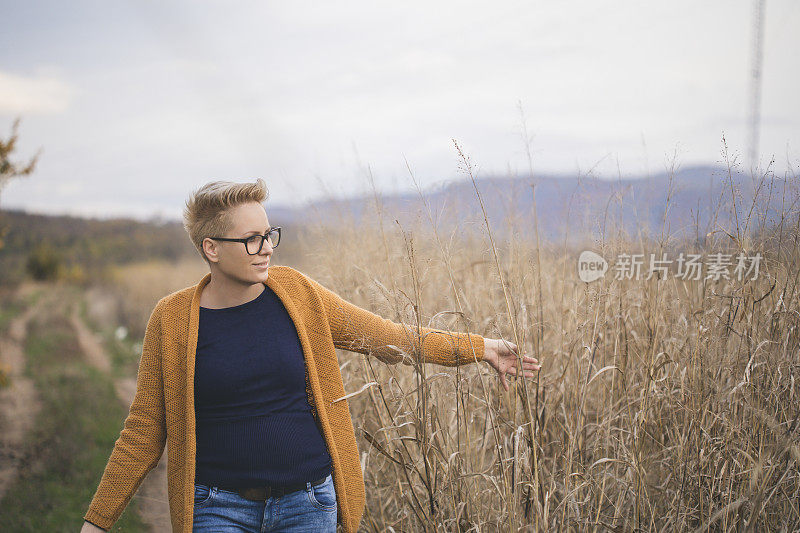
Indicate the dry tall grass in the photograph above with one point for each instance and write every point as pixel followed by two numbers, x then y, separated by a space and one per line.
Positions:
pixel 662 404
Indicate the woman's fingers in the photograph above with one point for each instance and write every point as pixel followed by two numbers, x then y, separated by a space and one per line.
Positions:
pixel 527 364
pixel 513 372
pixel 527 358
pixel 514 349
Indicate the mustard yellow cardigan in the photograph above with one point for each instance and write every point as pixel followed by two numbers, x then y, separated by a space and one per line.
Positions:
pixel 162 411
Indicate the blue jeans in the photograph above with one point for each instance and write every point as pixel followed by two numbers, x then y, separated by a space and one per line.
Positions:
pixel 312 509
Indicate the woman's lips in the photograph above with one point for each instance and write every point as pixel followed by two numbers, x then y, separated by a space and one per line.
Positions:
pixel 262 266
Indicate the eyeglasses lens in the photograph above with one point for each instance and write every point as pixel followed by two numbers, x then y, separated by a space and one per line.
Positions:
pixel 255 243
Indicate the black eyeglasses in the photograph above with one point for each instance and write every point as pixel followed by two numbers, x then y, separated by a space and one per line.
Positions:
pixel 254 243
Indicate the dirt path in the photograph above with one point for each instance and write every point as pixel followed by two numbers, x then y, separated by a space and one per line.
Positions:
pixel 19 402
pixel 153 491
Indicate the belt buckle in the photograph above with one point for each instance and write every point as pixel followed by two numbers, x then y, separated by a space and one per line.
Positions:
pixel 256 494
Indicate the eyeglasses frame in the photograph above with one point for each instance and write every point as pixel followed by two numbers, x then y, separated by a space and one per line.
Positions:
pixel 245 239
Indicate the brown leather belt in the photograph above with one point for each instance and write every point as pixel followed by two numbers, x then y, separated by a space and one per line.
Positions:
pixel 261 494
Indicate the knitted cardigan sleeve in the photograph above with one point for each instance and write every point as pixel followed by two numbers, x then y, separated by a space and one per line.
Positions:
pixel 141 441
pixel 358 330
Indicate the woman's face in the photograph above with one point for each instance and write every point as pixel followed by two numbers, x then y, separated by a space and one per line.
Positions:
pixel 231 258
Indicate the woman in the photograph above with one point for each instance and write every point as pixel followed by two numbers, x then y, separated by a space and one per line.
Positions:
pixel 251 448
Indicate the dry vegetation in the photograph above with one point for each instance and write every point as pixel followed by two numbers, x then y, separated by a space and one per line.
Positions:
pixel 662 404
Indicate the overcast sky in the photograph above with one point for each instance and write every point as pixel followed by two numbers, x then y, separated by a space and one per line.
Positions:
pixel 137 103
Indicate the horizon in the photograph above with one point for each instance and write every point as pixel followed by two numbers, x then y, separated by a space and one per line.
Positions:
pixel 163 217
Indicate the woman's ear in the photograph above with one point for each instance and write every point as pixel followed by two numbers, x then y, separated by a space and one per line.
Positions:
pixel 210 249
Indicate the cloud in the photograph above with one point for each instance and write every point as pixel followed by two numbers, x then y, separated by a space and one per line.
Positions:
pixel 40 94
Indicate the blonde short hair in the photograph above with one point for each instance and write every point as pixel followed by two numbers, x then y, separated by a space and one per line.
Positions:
pixel 207 211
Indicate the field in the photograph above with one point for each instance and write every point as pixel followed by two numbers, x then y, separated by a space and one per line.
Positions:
pixel 663 404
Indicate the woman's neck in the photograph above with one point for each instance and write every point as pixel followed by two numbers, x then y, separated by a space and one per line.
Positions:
pixel 224 292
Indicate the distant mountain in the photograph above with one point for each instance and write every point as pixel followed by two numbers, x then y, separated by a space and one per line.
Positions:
pixel 689 204
pixel 701 200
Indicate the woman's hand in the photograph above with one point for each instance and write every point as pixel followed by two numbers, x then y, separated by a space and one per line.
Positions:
pixel 502 355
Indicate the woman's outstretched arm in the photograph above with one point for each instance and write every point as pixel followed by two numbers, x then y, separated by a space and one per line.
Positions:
pixel 142 439
pixel 358 330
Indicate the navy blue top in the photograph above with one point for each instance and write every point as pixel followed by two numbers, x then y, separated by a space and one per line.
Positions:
pixel 254 424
